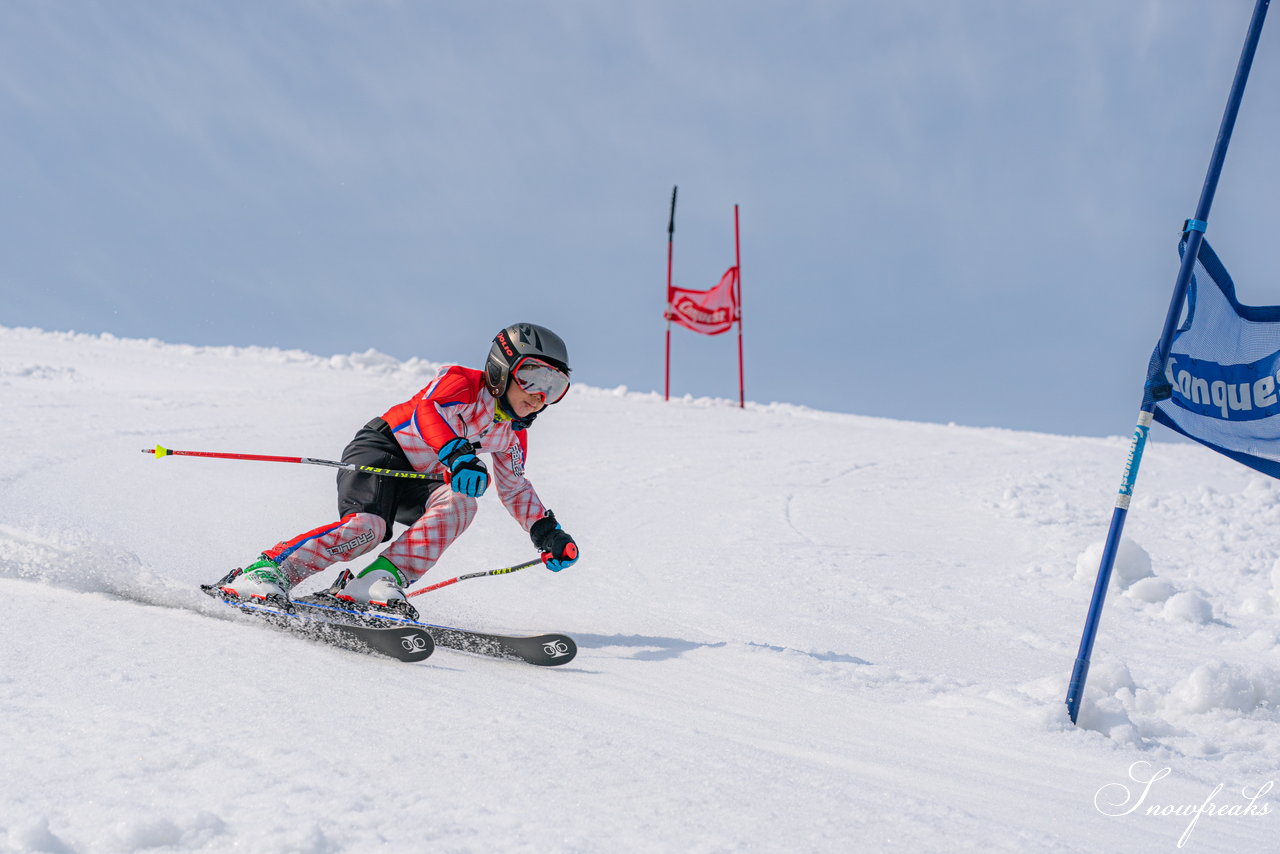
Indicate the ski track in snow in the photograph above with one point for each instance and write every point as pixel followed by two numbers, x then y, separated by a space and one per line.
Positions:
pixel 798 630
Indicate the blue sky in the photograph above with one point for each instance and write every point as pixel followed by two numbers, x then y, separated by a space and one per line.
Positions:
pixel 950 211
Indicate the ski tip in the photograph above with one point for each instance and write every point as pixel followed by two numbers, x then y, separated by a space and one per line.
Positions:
pixel 556 650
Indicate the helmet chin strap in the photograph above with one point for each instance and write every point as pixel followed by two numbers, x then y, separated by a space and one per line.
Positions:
pixel 506 413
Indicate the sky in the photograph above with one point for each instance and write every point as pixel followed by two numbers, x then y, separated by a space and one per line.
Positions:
pixel 950 212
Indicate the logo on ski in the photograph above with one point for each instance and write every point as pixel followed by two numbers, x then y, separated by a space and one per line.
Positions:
pixel 556 648
pixel 413 643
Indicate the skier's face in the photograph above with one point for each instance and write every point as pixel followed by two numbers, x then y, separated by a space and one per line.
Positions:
pixel 524 403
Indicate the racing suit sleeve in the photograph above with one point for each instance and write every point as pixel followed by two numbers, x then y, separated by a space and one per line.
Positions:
pixel 453 389
pixel 515 490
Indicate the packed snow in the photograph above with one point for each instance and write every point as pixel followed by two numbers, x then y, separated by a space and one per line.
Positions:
pixel 798 630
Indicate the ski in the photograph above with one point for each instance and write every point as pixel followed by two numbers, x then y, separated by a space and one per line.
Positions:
pixel 547 650
pixel 406 643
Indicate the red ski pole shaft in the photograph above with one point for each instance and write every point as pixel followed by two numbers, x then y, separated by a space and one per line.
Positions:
pixel 161 451
pixel 502 571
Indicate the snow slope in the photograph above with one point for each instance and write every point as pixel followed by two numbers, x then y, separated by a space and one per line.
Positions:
pixel 799 631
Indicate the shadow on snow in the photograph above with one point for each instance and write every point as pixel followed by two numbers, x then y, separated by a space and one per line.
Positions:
pixel 652 648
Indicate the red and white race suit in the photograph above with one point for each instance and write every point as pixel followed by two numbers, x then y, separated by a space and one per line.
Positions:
pixel 455 404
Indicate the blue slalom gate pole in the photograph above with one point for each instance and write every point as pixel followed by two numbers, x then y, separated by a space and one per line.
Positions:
pixel 1194 232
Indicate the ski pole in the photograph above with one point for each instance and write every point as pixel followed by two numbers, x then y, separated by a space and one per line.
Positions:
pixel 161 451
pixel 502 571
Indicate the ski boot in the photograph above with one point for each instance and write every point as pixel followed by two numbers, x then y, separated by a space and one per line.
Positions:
pixel 261 582
pixel 378 589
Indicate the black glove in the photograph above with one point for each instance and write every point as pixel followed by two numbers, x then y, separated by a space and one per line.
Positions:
pixel 557 547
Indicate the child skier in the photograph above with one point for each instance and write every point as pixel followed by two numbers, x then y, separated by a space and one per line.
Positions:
pixel 441 430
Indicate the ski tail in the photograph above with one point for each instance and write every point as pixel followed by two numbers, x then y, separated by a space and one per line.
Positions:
pixel 403 642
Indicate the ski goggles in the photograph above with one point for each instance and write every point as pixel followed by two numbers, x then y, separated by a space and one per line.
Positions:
pixel 537 377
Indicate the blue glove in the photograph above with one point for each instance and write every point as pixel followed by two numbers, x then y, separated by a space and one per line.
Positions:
pixel 468 475
pixel 557 547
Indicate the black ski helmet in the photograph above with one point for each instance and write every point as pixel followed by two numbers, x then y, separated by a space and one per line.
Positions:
pixel 516 342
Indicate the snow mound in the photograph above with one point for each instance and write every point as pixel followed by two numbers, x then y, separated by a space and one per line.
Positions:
pixel 1151 590
pixel 1132 564
pixel 1231 687
pixel 1188 607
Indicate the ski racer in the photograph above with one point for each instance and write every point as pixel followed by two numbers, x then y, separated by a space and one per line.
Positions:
pixel 442 430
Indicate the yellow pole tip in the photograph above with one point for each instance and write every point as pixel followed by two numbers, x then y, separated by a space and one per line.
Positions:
pixel 161 451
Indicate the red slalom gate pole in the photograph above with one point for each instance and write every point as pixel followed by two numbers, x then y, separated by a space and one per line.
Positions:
pixel 671 235
pixel 737 260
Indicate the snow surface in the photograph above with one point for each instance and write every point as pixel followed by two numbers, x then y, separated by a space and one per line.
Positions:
pixel 799 631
